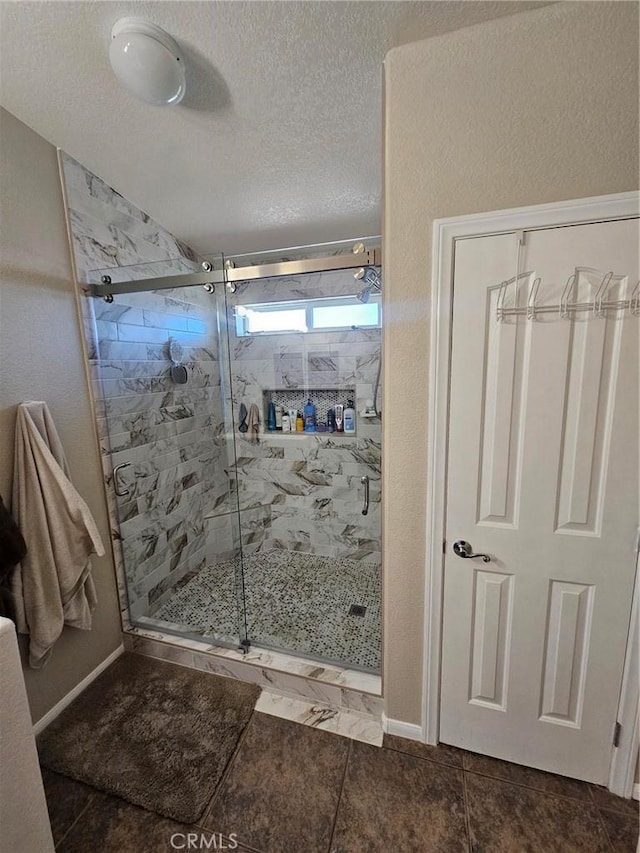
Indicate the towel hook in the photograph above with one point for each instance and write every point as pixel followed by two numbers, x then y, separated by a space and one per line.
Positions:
pixel 531 301
pixel 566 293
pixel 598 309
pixel 500 304
pixel 634 302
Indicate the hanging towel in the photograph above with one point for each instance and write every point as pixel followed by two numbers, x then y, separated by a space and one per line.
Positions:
pixel 52 586
pixel 12 549
pixel 242 416
pixel 254 424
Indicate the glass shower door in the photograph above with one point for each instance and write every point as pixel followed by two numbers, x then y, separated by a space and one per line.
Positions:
pixel 310 547
pixel 158 365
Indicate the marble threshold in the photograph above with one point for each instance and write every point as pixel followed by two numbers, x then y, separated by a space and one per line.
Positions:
pixel 344 701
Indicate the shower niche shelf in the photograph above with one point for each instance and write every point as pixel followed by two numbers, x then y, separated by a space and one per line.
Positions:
pixel 296 398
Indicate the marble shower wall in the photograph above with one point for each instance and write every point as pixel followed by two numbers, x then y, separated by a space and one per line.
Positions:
pixel 173 435
pixel 303 492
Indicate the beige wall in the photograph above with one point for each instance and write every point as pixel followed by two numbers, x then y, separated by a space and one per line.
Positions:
pixel 532 108
pixel 41 359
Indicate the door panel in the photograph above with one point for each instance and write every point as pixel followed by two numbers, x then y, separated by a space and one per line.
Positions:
pixel 543 476
pixel 492 610
pixel 506 358
pixel 567 650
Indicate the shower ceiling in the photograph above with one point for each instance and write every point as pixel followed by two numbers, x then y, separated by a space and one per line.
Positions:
pixel 278 140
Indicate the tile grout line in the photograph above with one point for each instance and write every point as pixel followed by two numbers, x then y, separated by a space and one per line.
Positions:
pixel 609 808
pixel 58 845
pixel 423 757
pixel 467 818
pixel 344 776
pixel 603 827
pixel 620 813
pixel 588 802
pixel 601 822
pixel 226 772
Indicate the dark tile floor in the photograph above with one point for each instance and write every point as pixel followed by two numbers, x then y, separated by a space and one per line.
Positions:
pixel 294 789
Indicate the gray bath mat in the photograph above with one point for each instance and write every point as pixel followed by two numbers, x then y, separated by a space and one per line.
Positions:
pixel 153 733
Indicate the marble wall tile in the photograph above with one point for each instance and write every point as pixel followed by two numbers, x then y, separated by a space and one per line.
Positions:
pixel 110 231
pixel 222 536
pixel 332 465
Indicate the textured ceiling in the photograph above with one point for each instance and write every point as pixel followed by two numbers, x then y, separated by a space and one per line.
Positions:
pixel 278 141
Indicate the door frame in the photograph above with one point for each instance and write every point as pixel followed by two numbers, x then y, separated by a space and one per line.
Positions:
pixel 445 233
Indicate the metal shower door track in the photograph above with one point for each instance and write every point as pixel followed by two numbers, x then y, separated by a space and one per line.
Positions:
pixel 232 274
pixel 109 289
pixel 369 257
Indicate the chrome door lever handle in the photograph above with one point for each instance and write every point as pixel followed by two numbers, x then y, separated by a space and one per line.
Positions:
pixel 464 549
pixel 121 493
pixel 365 507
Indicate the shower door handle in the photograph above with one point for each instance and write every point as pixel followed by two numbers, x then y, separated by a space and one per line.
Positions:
pixel 365 482
pixel 121 493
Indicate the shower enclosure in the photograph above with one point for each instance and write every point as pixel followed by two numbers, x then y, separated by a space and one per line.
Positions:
pixel 230 530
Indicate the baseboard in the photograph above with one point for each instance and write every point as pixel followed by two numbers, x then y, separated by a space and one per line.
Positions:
pixel 50 716
pixel 411 731
pixel 636 791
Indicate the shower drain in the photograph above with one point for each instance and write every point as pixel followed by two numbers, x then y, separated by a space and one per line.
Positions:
pixel 357 610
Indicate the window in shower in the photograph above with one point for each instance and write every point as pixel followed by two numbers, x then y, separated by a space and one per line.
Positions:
pixel 346 315
pixel 308 315
pixel 270 319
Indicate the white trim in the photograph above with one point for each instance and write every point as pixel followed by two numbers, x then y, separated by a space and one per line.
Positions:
pixel 445 232
pixel 625 757
pixel 437 427
pixel 50 716
pixel 411 731
pixel 636 791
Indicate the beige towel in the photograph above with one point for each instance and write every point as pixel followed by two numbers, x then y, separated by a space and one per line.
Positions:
pixel 253 424
pixel 52 586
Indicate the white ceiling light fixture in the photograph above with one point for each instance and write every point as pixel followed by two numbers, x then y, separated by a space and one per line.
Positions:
pixel 147 61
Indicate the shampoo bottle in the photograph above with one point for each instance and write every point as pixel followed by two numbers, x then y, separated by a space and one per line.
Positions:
pixel 339 416
pixel 309 417
pixel 350 418
pixel 299 422
pixel 278 417
pixel 271 416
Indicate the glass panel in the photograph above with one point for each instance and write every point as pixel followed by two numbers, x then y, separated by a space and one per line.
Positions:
pixel 345 316
pixel 161 369
pixel 309 555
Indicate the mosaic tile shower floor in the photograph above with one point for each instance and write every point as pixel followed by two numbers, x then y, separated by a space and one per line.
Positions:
pixel 295 602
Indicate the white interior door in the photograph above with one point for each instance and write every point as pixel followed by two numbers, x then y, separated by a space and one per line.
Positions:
pixel 542 477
